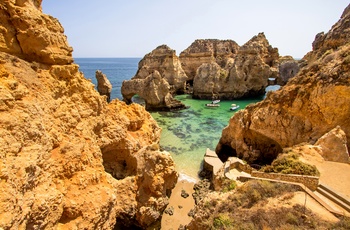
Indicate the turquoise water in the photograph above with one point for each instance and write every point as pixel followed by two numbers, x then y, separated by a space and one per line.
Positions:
pixel 186 134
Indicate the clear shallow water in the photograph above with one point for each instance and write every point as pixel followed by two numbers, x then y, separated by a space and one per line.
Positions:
pixel 186 133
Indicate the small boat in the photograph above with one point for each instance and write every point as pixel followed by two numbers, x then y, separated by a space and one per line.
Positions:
pixel 215 101
pixel 234 107
pixel 212 105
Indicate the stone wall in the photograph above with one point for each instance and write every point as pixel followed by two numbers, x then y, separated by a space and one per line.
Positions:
pixel 309 181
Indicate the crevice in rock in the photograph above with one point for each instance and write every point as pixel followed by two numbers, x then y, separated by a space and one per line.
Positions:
pixel 119 163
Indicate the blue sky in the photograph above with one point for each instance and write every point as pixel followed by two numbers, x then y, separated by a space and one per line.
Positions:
pixel 133 28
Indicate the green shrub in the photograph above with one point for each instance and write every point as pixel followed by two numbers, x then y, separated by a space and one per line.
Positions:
pixel 288 163
pixel 222 221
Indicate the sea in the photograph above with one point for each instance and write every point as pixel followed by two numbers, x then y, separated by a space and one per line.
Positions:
pixel 187 133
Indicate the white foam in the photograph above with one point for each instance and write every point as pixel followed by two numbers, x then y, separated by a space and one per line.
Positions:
pixel 184 177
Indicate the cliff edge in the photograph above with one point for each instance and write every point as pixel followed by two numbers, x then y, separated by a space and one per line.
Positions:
pixel 310 105
pixel 68 158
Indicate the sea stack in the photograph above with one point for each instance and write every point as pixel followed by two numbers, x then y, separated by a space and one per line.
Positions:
pixel 69 159
pixel 158 78
pixel 104 87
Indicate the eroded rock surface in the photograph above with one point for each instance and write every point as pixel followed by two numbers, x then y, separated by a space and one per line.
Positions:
pixel 308 106
pixel 334 146
pixel 205 51
pixel 104 87
pixel 68 158
pixel 154 89
pixel 243 74
pixel 164 60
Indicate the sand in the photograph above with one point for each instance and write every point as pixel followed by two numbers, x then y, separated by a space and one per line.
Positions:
pixel 181 206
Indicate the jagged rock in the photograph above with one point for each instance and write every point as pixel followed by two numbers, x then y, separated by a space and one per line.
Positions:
pixel 154 89
pixel 21 23
pixel 288 68
pixel 333 146
pixel 68 158
pixel 163 60
pixel 244 75
pixel 104 87
pixel 312 103
pixel 203 51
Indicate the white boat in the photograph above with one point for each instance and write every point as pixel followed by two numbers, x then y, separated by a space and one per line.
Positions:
pixel 212 105
pixel 215 101
pixel 234 107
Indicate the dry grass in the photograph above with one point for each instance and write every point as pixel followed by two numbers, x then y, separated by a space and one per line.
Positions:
pixel 245 208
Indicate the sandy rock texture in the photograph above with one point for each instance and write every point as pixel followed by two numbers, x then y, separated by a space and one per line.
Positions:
pixel 154 89
pixel 104 86
pixel 311 104
pixel 204 51
pixel 244 73
pixel 159 76
pixel 68 159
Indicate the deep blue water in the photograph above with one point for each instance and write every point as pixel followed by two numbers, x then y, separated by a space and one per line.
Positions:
pixel 116 70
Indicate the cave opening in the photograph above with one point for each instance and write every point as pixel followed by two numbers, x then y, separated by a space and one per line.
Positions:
pixel 261 151
pixel 225 152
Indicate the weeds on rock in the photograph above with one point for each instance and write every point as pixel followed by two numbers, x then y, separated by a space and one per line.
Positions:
pixel 289 163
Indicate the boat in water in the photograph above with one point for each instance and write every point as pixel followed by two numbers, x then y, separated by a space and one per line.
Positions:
pixel 234 107
pixel 214 103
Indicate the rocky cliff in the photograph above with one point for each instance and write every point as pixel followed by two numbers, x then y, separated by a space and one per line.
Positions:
pixel 310 105
pixel 68 158
pixel 159 76
pixel 204 51
pixel 244 74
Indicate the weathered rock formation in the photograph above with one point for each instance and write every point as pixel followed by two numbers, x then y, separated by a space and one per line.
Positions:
pixel 204 51
pixel 164 60
pixel 69 160
pixel 333 146
pixel 288 68
pixel 32 36
pixel 159 76
pixel 244 74
pixel 154 89
pixel 308 106
pixel 104 87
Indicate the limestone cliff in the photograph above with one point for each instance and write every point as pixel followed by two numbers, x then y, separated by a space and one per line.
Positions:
pixel 311 104
pixel 154 89
pixel 69 160
pixel 204 51
pixel 244 75
pixel 164 60
pixel 159 76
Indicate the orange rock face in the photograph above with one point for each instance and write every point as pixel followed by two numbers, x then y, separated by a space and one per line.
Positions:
pixel 310 105
pixel 67 158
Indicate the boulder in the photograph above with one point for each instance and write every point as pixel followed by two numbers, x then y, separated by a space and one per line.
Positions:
pixel 154 89
pixel 333 146
pixel 311 104
pixel 104 87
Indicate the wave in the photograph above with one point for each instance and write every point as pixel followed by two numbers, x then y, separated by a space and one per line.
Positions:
pixel 184 177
